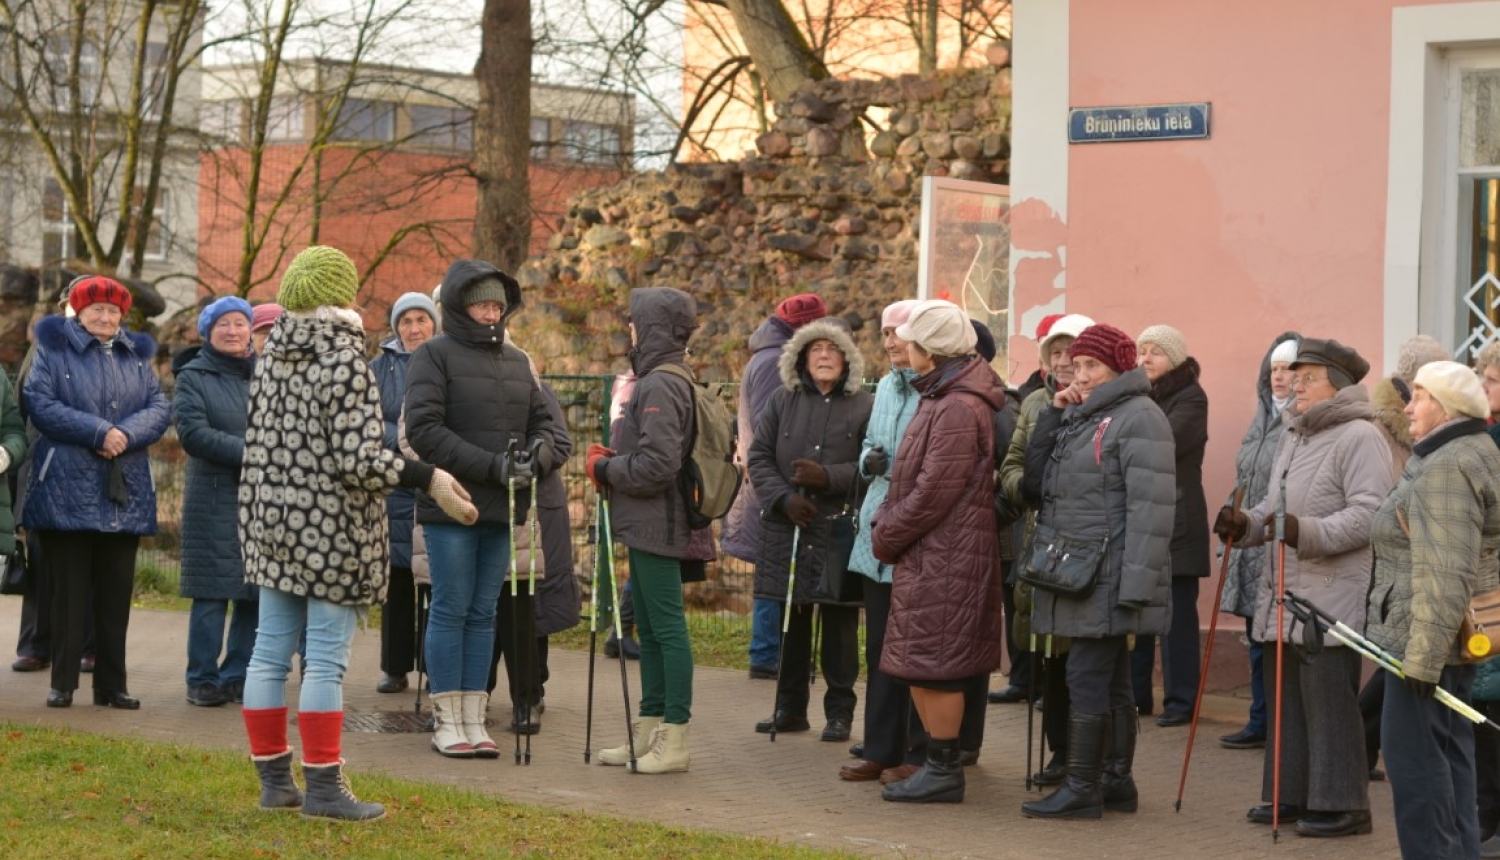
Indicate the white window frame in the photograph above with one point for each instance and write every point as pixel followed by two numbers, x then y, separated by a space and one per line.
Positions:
pixel 1453 202
pixel 63 226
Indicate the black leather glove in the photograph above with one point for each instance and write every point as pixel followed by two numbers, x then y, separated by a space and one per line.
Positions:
pixel 1292 531
pixel 541 454
pixel 1420 689
pixel 806 473
pixel 800 510
pixel 876 462
pixel 1231 524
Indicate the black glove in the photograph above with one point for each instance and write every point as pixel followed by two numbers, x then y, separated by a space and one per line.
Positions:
pixel 1292 531
pixel 806 473
pixel 876 462
pixel 540 452
pixel 800 510
pixel 1231 524
pixel 522 468
pixel 1419 688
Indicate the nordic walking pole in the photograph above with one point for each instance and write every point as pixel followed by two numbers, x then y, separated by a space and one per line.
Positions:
pixel 619 632
pixel 1208 653
pixel 786 621
pixel 1308 613
pixel 1280 657
pixel 510 487
pixel 530 651
pixel 1031 712
pixel 588 721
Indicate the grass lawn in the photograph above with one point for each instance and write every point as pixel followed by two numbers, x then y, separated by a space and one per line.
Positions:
pixel 70 794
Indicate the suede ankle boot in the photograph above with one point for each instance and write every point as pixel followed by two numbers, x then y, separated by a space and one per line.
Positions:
pixel 939 780
pixel 668 751
pixel 640 732
pixel 1080 795
pixel 1118 785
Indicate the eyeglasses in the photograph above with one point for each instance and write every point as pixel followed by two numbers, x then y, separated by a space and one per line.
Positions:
pixel 1307 380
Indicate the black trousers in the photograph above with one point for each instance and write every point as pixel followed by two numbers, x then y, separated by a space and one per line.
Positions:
pixel 888 710
pixel 1020 661
pixel 515 643
pixel 1055 701
pixel 1371 703
pixel 35 639
pixel 1098 675
pixel 1487 770
pixel 1431 764
pixel 398 623
pixel 840 660
pixel 89 570
pixel 1181 658
pixel 1323 764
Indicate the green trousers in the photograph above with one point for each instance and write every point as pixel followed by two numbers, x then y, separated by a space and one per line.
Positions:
pixel 666 651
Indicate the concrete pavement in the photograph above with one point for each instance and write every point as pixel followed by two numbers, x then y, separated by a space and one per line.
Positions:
pixel 740 782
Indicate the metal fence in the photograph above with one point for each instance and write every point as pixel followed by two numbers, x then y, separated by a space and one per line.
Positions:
pixel 723 600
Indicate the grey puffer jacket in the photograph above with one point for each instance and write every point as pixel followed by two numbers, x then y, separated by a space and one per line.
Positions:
pixel 801 423
pixel 1108 466
pixel 1335 470
pixel 1252 473
pixel 647 511
pixel 1449 501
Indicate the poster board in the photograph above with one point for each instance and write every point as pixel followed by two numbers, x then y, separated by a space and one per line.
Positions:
pixel 964 251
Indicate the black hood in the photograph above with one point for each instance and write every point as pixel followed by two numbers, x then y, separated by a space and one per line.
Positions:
pixel 664 319
pixel 457 323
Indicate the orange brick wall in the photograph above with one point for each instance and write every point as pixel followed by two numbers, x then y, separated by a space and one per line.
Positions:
pixel 417 209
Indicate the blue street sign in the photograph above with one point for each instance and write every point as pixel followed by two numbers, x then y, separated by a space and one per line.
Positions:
pixel 1141 122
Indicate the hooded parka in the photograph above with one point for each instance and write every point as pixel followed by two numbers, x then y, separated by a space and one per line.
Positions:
pixel 211 401
pixel 472 402
pixel 1252 473
pixel 312 493
pixel 741 535
pixel 799 422
pixel 938 528
pixel 1334 468
pixel 647 511
pixel 1108 467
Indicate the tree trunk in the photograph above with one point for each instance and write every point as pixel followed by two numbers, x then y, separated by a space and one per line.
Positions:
pixel 502 134
pixel 783 58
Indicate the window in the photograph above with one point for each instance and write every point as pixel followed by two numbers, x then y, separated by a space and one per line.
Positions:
pixel 59 237
pixel 541 138
pixel 592 142
pixel 442 127
pixel 220 120
pixel 364 119
pixel 284 118
pixel 159 233
pixel 154 79
pixel 60 73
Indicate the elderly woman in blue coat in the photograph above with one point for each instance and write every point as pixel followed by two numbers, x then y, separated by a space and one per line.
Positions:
pixel 211 401
pixel 95 401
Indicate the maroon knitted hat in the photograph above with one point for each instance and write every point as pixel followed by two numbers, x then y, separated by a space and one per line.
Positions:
pixel 1113 347
pixel 800 310
pixel 97 288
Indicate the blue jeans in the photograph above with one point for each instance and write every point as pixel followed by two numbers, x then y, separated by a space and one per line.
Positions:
pixel 468 569
pixel 206 641
pixel 765 634
pixel 1257 723
pixel 330 635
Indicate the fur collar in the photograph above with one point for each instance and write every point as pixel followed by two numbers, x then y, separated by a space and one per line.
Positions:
pixel 1390 411
pixel 792 361
pixel 56 332
pixel 1175 380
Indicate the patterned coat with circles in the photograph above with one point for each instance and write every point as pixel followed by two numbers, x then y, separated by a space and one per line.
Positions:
pixel 312 494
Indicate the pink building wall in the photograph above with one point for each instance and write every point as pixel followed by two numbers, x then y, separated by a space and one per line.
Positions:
pixel 1277 221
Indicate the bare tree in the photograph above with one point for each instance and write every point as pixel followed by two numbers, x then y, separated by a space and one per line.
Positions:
pixel 502 139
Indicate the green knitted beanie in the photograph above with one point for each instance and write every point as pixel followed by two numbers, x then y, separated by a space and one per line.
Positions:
pixel 319 276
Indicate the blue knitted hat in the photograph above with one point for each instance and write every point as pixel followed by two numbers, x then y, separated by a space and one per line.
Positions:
pixel 218 308
pixel 412 302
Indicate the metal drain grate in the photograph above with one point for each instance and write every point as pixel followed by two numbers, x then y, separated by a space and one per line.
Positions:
pixel 388 722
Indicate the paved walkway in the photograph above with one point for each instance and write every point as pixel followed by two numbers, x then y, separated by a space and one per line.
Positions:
pixel 740 782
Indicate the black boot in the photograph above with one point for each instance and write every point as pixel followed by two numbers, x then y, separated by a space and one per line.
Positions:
pixel 940 780
pixel 1080 795
pixel 1120 794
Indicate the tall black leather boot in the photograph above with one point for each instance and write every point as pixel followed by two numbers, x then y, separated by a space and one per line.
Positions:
pixel 1120 794
pixel 940 780
pixel 1080 795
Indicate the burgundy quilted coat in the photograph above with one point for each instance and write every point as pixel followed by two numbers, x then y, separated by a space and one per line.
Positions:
pixel 937 527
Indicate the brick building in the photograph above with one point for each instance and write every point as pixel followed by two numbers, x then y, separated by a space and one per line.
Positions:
pixel 384 176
